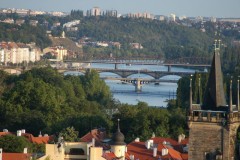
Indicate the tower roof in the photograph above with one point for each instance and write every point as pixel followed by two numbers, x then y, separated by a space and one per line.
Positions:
pixel 118 137
pixel 214 97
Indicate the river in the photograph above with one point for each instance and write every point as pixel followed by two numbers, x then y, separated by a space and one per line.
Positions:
pixel 153 95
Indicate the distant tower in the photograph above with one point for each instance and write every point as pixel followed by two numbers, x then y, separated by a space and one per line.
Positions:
pixel 214 124
pixel 118 146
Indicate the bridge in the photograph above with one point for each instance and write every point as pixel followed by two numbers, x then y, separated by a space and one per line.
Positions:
pixel 145 62
pixel 139 82
pixel 124 73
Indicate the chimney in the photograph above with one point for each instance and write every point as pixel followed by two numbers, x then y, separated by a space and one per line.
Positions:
pixel 93 142
pixel 164 151
pixel 19 133
pixel 137 139
pixel 25 150
pixel 155 152
pixel 40 134
pixel 23 131
pixel 179 138
pixel 153 135
pixel 131 157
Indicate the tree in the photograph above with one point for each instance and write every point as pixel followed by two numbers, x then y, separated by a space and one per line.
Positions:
pixel 69 134
pixel 14 144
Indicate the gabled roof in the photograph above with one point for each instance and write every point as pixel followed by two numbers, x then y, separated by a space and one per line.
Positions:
pixel 16 156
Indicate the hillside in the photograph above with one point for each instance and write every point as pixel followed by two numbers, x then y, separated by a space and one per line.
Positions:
pixel 162 39
pixel 66 43
pixel 24 34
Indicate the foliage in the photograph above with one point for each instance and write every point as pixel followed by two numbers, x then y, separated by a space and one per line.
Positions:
pixel 44 100
pixel 69 134
pixel 142 121
pixel 14 144
pixel 159 39
pixel 76 14
pixel 24 34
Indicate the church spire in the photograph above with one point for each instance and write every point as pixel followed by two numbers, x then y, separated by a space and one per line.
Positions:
pixel 214 96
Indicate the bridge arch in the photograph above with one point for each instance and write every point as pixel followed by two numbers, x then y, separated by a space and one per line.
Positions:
pixel 141 75
pixel 110 74
pixel 172 77
pixel 75 73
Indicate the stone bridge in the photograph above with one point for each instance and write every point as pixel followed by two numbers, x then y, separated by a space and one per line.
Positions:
pixel 124 73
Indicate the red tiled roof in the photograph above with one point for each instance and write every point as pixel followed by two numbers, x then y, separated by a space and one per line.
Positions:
pixel 159 140
pixel 139 150
pixel 38 140
pixel 16 156
pixel 112 156
pixel 31 138
pixel 4 133
pixel 97 134
pixel 174 154
pixel 184 156
pixel 109 156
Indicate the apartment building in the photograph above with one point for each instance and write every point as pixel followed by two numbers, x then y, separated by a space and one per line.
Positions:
pixel 11 52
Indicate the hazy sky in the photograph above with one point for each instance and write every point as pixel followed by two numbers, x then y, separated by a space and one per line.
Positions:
pixel 216 8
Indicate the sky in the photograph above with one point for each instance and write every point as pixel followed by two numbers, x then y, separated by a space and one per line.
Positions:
pixel 189 8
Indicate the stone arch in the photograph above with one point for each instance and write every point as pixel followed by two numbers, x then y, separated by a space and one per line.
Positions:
pixel 141 74
pixel 77 73
pixel 112 73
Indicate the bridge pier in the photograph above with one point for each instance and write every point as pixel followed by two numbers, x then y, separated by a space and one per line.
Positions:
pixel 169 68
pixel 138 85
pixel 116 66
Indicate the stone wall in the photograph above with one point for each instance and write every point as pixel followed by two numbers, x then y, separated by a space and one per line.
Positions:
pixel 207 138
pixel 204 138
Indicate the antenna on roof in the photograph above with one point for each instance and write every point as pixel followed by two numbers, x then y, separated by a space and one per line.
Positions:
pixel 118 125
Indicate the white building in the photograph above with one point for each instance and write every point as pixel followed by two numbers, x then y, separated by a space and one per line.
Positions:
pixel 96 11
pixel 11 52
pixel 2 56
pixel 71 24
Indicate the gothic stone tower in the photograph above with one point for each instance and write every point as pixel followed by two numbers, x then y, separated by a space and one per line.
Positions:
pixel 213 125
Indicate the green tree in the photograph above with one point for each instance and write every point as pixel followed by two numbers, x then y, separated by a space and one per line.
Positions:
pixel 69 134
pixel 14 144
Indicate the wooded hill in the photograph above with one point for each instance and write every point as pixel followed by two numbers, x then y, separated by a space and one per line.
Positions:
pixel 158 38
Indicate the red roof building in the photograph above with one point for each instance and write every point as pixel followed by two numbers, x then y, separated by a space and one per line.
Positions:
pixel 157 148
pixel 99 135
pixel 39 140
